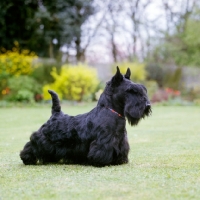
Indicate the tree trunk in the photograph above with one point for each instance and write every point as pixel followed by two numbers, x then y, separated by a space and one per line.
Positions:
pixel 80 57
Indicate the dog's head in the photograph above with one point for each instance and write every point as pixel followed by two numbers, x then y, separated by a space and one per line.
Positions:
pixel 129 96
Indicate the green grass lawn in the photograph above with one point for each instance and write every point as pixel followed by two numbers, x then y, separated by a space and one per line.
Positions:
pixel 164 161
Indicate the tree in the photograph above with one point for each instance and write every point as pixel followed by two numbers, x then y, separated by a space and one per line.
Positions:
pixel 69 17
pixel 190 42
pixel 112 25
pixel 44 26
pixel 179 44
pixel 14 24
pixel 135 12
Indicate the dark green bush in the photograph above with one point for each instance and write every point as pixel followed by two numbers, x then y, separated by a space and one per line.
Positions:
pixel 23 89
pixel 155 72
pixel 165 76
pixel 173 78
pixel 42 74
pixel 192 94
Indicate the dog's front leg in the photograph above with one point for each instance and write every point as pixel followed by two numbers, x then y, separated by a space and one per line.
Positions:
pixel 100 154
pixel 122 151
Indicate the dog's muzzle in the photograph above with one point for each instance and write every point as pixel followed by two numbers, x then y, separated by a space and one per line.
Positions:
pixel 148 105
pixel 148 109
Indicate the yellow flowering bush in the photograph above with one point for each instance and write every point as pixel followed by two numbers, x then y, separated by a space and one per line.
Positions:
pixel 138 72
pixel 73 83
pixel 17 63
pixel 14 63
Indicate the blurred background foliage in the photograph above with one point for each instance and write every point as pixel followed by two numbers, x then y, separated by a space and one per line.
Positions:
pixel 138 72
pixel 24 88
pixel 73 83
pixel 46 45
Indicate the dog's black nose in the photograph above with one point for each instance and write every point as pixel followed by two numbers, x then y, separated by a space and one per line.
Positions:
pixel 148 105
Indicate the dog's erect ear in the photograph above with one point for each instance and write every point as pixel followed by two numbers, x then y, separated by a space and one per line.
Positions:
pixel 117 78
pixel 128 74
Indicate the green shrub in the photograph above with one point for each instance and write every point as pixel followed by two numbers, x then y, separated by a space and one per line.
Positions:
pixel 22 88
pixel 192 94
pixel 23 95
pixel 73 83
pixel 42 74
pixel 173 78
pixel 155 72
pixel 165 76
pixel 138 72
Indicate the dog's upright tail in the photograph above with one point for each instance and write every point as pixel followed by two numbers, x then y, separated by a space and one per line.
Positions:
pixel 55 102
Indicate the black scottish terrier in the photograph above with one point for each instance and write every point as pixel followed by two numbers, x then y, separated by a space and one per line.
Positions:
pixel 96 138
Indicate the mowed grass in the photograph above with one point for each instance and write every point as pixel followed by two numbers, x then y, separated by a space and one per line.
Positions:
pixel 164 160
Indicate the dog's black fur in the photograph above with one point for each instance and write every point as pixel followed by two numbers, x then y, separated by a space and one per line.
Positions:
pixel 96 138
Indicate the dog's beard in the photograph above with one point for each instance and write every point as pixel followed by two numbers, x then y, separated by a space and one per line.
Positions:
pixel 147 112
pixel 134 116
pixel 132 120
